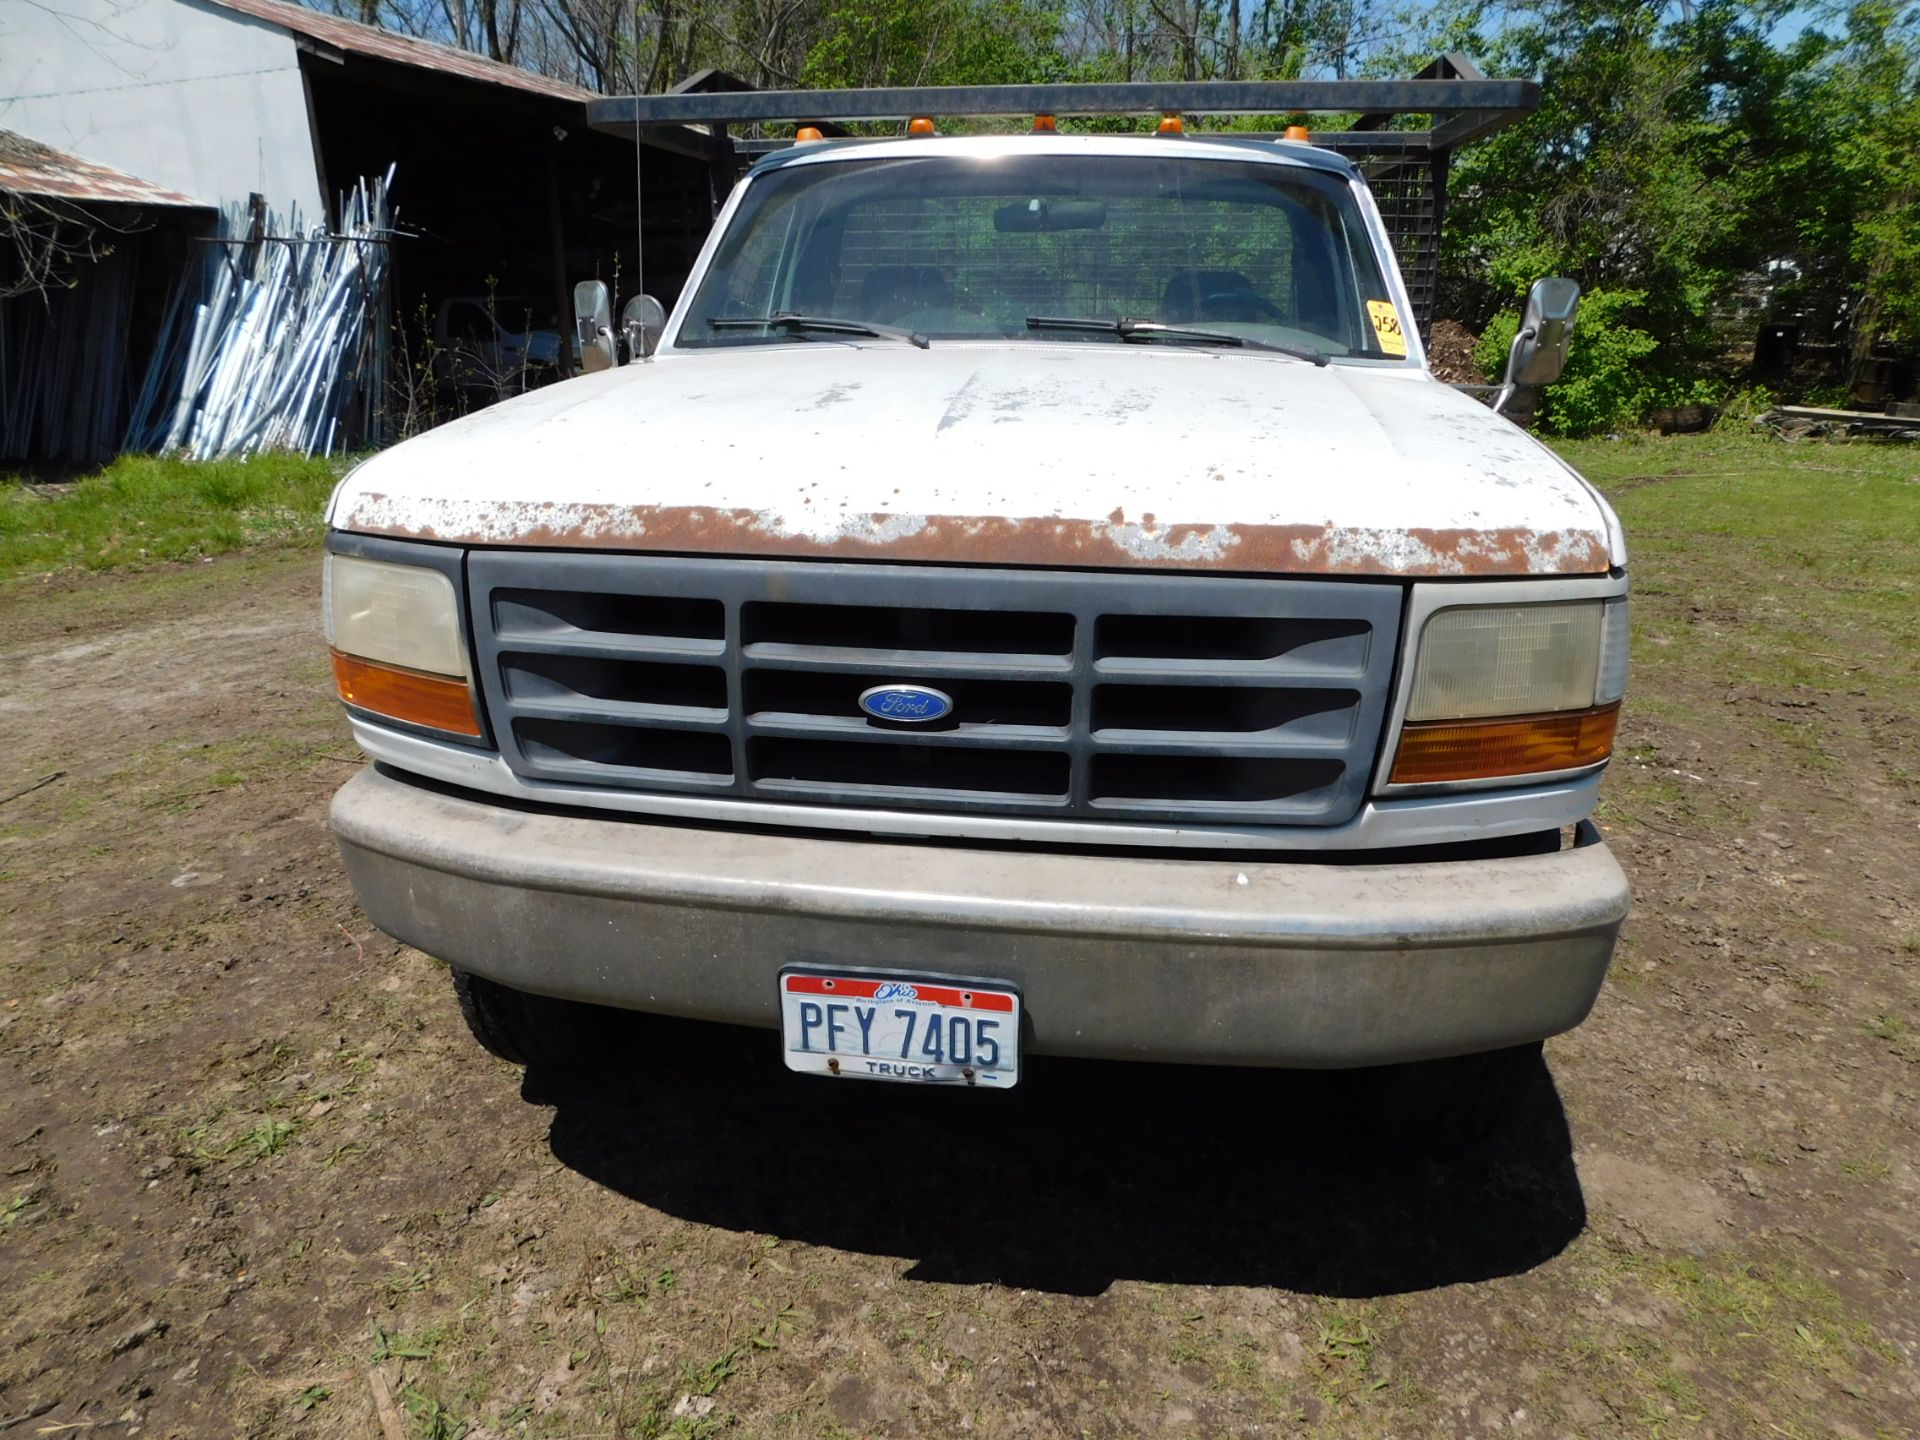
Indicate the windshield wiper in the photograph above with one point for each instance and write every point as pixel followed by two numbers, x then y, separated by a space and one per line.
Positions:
pixel 825 324
pixel 1133 327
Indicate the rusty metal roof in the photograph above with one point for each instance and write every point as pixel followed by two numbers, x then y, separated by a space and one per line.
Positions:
pixel 29 168
pixel 376 44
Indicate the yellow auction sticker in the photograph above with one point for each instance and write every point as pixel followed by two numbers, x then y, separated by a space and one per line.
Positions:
pixel 1386 327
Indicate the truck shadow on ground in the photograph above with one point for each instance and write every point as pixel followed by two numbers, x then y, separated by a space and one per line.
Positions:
pixel 1086 1174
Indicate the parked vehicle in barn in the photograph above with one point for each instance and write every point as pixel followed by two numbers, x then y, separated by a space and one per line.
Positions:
pixel 1029 598
pixel 488 347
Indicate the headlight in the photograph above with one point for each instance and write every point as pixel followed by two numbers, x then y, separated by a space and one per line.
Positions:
pixel 1513 690
pixel 397 645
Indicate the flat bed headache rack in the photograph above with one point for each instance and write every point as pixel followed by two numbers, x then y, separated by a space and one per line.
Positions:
pixel 1406 168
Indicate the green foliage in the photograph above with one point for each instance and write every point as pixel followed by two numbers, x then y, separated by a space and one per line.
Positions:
pixel 143 508
pixel 941 42
pixel 1689 158
pixel 1490 355
pixel 1741 406
pixel 1631 174
pixel 1873 104
pixel 1609 384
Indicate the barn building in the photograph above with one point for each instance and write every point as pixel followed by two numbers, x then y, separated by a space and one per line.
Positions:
pixel 172 126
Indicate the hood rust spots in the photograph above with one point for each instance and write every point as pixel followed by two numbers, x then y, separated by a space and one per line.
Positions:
pixel 1113 542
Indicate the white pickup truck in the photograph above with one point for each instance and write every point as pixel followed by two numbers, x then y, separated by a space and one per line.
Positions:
pixel 1030 597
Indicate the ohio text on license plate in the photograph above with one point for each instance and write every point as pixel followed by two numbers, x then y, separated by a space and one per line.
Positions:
pixel 893 1027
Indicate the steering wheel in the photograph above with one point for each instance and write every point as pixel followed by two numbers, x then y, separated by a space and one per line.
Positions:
pixel 1240 300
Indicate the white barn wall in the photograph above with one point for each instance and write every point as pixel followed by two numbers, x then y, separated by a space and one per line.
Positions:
pixel 186 94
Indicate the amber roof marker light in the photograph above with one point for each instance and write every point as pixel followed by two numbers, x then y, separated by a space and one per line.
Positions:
pixel 921 125
pixel 1446 105
pixel 807 134
pixel 1045 125
pixel 1298 132
pixel 1172 124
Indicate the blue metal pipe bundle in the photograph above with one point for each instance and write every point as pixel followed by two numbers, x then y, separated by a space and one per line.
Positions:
pixel 279 342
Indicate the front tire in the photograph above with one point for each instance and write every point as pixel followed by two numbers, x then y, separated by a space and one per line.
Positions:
pixel 537 1031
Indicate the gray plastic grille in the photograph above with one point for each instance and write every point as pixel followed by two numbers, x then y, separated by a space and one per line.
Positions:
pixel 1162 697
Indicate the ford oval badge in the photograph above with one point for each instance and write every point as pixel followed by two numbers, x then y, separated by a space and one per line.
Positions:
pixel 910 704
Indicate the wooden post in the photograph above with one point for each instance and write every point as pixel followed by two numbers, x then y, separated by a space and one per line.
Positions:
pixel 563 292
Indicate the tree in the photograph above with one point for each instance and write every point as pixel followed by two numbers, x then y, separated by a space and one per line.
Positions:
pixel 933 42
pixel 1863 187
pixel 1681 154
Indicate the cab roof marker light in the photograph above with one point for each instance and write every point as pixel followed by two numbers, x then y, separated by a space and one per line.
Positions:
pixel 807 134
pixel 921 125
pixel 1172 124
pixel 1298 132
pixel 1045 125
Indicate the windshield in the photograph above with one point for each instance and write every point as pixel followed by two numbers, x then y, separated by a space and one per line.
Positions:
pixel 963 247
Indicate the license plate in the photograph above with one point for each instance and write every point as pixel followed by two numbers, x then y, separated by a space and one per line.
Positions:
pixel 926 1030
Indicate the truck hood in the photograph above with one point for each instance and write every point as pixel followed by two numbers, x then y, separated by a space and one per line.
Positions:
pixel 1027 454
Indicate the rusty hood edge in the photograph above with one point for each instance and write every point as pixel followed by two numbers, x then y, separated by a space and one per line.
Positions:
pixel 775 489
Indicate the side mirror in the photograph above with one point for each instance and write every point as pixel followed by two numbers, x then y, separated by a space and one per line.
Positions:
pixel 1539 350
pixel 642 322
pixel 593 325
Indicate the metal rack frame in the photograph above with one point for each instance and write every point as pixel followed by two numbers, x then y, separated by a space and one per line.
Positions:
pixel 1406 168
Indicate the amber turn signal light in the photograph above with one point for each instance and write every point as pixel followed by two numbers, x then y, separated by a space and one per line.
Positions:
pixel 1437 751
pixel 430 700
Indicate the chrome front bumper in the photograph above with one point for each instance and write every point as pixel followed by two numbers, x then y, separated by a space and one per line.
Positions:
pixel 1206 960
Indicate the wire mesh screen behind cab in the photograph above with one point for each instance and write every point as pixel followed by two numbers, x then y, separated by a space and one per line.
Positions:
pixel 1409 196
pixel 954 248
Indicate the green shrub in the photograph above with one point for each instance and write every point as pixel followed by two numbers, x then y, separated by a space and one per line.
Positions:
pixel 1611 382
pixel 1490 354
pixel 1740 406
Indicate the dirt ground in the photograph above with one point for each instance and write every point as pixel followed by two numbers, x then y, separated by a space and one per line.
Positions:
pixel 255 1179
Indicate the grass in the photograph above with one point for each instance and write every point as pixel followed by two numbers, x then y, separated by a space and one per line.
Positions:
pixel 141 509
pixel 394 1346
pixel 1753 1329
pixel 432 1420
pixel 1343 1358
pixel 209 1140
pixel 1800 569
pixel 14 1209
pixel 173 775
